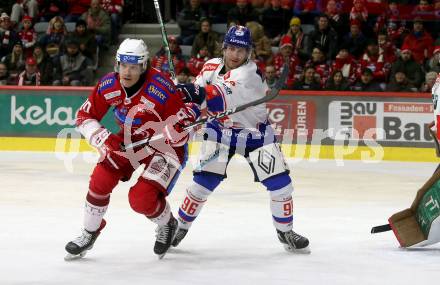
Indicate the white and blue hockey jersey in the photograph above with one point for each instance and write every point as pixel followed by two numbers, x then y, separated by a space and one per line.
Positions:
pixel 234 88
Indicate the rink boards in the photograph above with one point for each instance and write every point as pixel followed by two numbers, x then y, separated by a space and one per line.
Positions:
pixel 310 124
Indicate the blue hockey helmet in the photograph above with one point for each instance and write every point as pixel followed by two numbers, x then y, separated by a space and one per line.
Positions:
pixel 238 36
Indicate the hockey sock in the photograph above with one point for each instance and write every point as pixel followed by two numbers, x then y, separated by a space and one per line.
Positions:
pixel 163 217
pixel 93 216
pixel 282 210
pixel 195 198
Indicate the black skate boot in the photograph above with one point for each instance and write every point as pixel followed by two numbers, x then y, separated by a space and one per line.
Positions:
pixel 294 242
pixel 179 236
pixel 164 237
pixel 78 247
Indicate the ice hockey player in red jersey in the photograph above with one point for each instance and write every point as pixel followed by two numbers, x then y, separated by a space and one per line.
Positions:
pixel 145 103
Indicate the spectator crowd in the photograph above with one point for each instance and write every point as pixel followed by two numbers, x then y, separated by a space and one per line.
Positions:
pixel 58 55
pixel 359 45
pixel 340 45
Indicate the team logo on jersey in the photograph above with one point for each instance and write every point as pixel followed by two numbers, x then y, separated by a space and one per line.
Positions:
pixel 106 83
pixel 165 83
pixel 209 67
pixel 157 93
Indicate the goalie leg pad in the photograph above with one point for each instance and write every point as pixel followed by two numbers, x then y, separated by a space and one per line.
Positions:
pixel 419 225
pixel 267 161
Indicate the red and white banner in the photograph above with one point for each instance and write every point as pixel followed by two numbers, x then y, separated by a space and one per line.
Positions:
pixel 296 115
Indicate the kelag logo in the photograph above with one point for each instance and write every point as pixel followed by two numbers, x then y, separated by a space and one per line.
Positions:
pixel 41 113
pixel 400 121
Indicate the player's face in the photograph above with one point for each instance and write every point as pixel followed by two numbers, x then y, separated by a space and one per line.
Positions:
pixel 129 73
pixel 235 56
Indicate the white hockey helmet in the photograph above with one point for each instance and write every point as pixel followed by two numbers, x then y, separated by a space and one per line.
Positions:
pixel 133 51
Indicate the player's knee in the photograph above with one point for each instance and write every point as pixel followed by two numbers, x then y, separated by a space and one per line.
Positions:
pixel 102 181
pixel 145 198
pixel 209 181
pixel 279 186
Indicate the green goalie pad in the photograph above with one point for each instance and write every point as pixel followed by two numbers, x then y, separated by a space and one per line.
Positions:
pixel 420 224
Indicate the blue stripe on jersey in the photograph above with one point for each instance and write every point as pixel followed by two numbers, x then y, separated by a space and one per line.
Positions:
pixel 185 217
pixel 182 166
pixel 122 118
pixel 277 182
pixel 208 180
pixel 283 220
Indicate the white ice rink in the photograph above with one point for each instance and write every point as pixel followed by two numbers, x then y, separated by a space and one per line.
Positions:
pixel 232 242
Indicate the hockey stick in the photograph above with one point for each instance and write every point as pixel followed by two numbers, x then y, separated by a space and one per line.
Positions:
pixel 381 229
pixel 272 94
pixel 164 38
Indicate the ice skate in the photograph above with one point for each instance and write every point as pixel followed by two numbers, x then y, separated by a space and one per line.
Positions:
pixel 294 242
pixel 164 237
pixel 78 248
pixel 179 236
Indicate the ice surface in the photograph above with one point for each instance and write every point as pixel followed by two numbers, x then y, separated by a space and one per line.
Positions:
pixel 232 242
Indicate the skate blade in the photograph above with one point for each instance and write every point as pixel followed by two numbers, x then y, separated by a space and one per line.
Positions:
pixel 71 257
pixel 305 250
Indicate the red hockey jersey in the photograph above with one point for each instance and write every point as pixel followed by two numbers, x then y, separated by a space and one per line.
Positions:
pixel 156 101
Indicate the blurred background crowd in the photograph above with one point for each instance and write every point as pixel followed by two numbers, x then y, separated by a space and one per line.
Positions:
pixel 358 45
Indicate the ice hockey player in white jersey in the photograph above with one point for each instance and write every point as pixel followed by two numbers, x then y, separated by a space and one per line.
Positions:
pixel 224 83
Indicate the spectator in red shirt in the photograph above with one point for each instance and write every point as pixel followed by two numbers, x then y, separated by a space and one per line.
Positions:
pixel 196 63
pixel 391 13
pixel 359 11
pixel 374 61
pixel 286 54
pixel 345 63
pixel 386 47
pixel 160 60
pixel 419 42
pixel 28 36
